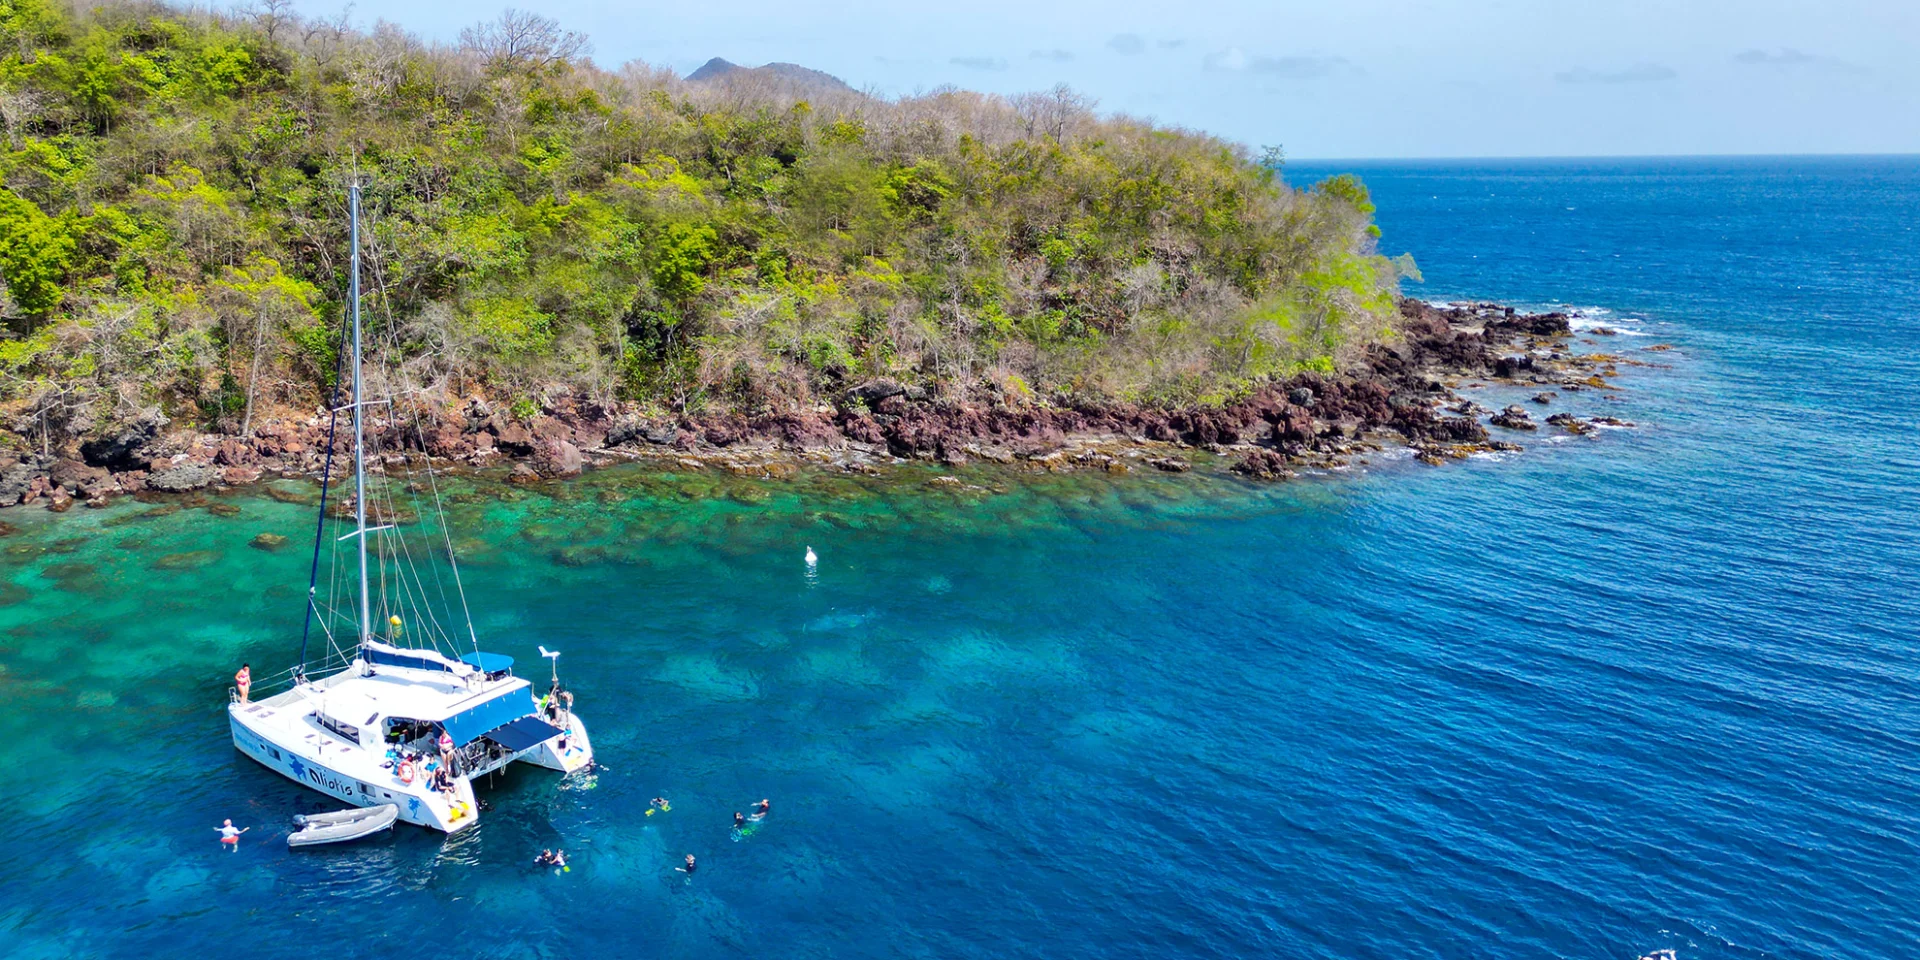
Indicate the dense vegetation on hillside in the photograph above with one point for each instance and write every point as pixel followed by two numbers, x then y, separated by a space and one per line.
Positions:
pixel 173 230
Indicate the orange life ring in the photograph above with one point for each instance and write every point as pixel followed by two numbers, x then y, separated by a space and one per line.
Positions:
pixel 406 772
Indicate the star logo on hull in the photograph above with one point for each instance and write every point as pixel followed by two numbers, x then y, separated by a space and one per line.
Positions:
pixel 299 769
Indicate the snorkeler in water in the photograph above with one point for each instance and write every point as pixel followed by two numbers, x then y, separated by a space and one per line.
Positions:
pixel 738 820
pixel 760 811
pixel 688 869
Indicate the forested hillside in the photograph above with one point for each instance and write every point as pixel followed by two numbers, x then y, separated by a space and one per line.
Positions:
pixel 173 231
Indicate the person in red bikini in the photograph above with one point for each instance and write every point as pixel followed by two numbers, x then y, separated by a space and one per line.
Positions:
pixel 244 680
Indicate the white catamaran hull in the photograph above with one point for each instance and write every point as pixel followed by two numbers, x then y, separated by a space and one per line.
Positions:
pixel 344 776
pixel 350 773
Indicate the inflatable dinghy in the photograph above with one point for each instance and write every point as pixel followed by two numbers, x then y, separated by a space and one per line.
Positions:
pixel 324 828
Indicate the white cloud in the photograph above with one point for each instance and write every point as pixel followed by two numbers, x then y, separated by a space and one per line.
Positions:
pixel 1787 58
pixel 1286 68
pixel 1232 58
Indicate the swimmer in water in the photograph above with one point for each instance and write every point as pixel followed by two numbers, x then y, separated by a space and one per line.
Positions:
pixel 230 834
pixel 688 869
pixel 544 859
pixel 1664 953
pixel 559 858
pixel 738 820
pixel 658 802
pixel 760 811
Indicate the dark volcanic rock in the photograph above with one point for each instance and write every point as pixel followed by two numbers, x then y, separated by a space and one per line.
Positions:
pixel 1535 324
pixel 874 391
pixel 634 430
pixel 1569 423
pixel 125 448
pixel 1263 465
pixel 514 438
pixel 183 477
pixel 1514 418
pixel 1508 367
pixel 557 458
pixel 74 475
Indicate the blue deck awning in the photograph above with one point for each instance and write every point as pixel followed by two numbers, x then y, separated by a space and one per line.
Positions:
pixel 475 721
pixel 523 733
pixel 487 662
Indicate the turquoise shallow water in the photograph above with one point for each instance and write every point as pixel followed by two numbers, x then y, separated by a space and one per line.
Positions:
pixel 1655 689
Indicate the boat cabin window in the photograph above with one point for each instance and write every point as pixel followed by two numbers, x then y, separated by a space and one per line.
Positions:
pixel 345 731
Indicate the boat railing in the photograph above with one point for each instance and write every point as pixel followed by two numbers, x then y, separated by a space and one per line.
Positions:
pixel 292 676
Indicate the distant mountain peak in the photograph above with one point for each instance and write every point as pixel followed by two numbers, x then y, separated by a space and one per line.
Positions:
pixel 793 73
pixel 717 67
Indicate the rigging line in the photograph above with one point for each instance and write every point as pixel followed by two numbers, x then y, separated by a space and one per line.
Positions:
pixel 326 474
pixel 407 574
pixel 359 413
pixel 392 331
pixel 432 567
pixel 407 591
pixel 446 534
pixel 413 413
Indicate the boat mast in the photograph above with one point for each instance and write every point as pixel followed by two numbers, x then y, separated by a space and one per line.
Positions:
pixel 359 431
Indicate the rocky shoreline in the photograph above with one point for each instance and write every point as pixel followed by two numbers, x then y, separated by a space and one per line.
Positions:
pixel 1403 394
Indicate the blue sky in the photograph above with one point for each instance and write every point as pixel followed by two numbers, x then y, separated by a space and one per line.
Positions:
pixel 1356 78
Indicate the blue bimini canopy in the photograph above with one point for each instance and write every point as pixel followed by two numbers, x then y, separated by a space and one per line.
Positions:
pixel 523 733
pixel 382 655
pixel 487 662
pixel 476 719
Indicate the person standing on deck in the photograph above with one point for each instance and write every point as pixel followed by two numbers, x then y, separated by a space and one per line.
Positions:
pixel 244 680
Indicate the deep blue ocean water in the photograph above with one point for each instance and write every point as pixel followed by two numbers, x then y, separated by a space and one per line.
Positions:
pixel 1656 689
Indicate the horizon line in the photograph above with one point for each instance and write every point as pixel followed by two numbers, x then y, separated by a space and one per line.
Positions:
pixel 1608 156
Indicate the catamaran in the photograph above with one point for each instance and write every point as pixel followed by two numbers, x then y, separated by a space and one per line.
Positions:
pixel 383 720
